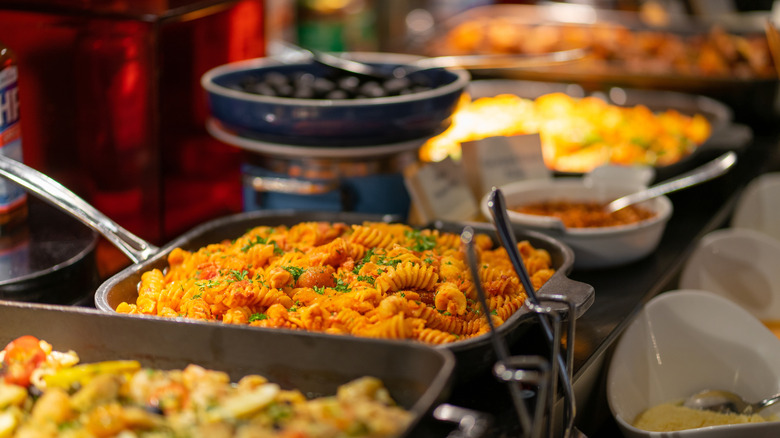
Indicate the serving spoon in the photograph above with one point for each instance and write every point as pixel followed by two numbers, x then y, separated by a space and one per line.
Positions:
pixel 727 402
pixel 287 51
pixel 703 173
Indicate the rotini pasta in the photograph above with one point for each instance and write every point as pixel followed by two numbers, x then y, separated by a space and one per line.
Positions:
pixel 373 279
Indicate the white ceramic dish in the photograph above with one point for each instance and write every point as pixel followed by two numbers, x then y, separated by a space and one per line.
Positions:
pixel 593 247
pixel 687 340
pixel 740 265
pixel 759 206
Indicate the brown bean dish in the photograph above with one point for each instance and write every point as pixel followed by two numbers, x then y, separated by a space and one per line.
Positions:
pixel 585 214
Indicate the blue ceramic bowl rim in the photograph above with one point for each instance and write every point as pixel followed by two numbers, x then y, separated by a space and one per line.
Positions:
pixel 208 82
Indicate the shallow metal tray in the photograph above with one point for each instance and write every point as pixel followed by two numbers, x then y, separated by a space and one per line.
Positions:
pixel 473 355
pixel 417 377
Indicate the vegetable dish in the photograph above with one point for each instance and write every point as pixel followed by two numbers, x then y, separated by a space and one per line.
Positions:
pixel 47 393
pixel 577 134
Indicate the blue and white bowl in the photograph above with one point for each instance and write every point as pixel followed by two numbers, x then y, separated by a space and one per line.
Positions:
pixel 329 122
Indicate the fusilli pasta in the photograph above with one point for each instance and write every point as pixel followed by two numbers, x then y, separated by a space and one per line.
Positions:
pixel 373 279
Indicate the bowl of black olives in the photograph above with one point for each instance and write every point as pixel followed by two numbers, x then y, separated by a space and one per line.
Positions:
pixel 310 104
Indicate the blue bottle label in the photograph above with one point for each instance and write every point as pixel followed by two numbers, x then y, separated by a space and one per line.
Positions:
pixel 11 195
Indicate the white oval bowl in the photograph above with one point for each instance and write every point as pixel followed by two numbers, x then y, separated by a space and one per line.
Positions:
pixel 593 247
pixel 685 341
pixel 759 205
pixel 740 265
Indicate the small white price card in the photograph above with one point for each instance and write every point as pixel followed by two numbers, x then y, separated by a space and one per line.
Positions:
pixel 495 161
pixel 439 191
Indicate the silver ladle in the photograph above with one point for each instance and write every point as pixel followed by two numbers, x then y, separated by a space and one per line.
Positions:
pixel 727 402
pixel 703 173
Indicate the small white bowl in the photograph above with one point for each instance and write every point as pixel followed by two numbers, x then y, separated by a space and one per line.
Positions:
pixel 593 247
pixel 740 265
pixel 685 341
pixel 759 206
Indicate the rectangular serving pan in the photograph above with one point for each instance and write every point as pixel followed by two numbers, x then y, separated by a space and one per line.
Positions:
pixel 750 97
pixel 418 378
pixel 472 355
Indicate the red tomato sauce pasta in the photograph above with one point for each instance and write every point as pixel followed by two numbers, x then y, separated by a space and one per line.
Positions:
pixel 374 280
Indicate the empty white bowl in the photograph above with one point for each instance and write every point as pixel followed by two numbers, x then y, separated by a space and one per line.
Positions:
pixel 742 265
pixel 758 207
pixel 685 341
pixel 593 247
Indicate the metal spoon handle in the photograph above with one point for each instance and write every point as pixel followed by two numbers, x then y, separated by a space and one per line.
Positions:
pixel 55 193
pixel 765 403
pixel 476 62
pixel 706 172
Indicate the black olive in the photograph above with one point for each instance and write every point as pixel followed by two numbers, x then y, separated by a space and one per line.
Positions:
pixel 262 88
pixel 372 89
pixel 285 90
pixel 396 85
pixel 337 94
pixel 304 92
pixel 304 85
pixel 349 83
pixel 323 86
pixel 276 79
pixel 305 80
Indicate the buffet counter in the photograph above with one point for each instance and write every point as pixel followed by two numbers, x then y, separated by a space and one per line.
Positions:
pixel 620 294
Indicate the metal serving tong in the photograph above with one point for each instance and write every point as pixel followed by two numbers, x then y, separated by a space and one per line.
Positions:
pixel 529 370
pixel 561 368
pixel 502 352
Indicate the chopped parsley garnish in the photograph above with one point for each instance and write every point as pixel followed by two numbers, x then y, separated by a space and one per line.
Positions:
pixel 294 270
pixel 279 411
pixel 367 278
pixel 319 289
pixel 258 241
pixel 203 284
pixel 341 286
pixel 262 241
pixel 421 242
pixel 367 257
pixel 384 261
pixel 239 275
pixel 258 317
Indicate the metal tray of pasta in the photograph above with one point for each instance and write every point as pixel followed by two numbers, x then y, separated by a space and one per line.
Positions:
pixel 417 378
pixel 473 354
pixel 375 280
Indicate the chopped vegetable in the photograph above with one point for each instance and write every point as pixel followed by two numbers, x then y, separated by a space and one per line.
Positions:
pixel 21 357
